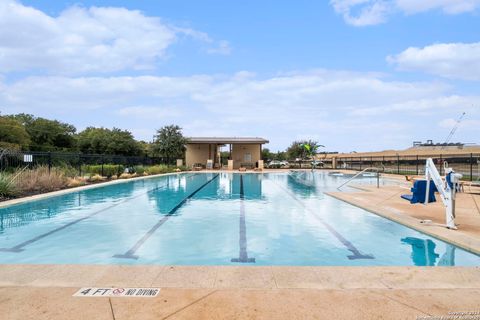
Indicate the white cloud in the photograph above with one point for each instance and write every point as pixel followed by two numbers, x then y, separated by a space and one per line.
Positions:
pixel 223 48
pixel 150 112
pixel 341 108
pixel 85 40
pixel 372 12
pixel 449 60
pixel 447 6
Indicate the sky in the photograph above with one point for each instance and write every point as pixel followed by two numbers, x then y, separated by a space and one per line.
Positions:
pixel 355 75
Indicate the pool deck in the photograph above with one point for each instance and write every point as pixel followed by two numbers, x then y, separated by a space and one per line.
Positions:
pixel 248 292
pixel 386 202
pixel 45 292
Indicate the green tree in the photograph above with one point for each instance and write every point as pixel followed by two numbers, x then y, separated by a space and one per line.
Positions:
pixel 13 134
pixel 123 142
pixel 303 149
pixel 280 156
pixel 144 147
pixel 106 141
pixel 169 142
pixel 266 154
pixel 47 135
pixel 93 140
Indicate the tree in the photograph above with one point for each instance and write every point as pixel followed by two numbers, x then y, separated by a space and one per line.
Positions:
pixel 12 134
pixel 280 156
pixel 144 147
pixel 303 149
pixel 47 135
pixel 122 142
pixel 106 141
pixel 169 143
pixel 267 155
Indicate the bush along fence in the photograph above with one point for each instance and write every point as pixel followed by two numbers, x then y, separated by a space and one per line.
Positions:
pixel 466 164
pixel 78 163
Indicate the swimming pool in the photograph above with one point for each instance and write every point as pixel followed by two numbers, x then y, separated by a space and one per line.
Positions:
pixel 214 219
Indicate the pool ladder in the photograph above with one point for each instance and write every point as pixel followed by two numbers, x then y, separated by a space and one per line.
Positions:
pixel 361 172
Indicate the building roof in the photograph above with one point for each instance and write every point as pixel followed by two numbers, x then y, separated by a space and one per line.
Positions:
pixel 423 151
pixel 227 140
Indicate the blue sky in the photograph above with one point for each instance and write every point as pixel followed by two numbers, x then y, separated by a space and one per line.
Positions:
pixel 353 74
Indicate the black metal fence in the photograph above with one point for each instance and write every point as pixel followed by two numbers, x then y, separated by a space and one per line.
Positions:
pixel 466 164
pixel 11 160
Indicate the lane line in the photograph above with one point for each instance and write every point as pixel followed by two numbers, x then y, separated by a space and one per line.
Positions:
pixel 130 254
pixel 243 254
pixel 20 247
pixel 350 247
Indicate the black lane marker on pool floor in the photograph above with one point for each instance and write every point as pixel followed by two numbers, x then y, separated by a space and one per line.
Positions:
pixel 20 247
pixel 356 253
pixel 243 255
pixel 130 254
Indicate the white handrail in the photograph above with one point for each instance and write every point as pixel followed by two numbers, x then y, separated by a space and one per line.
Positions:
pixel 364 170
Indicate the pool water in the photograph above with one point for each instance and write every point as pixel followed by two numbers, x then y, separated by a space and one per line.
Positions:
pixel 215 219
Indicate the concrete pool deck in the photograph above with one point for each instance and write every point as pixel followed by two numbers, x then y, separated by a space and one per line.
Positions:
pixel 45 292
pixel 386 202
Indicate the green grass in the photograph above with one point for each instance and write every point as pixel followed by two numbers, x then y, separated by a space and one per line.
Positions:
pixel 7 187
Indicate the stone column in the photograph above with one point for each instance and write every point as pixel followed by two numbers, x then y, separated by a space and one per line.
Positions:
pixel 260 164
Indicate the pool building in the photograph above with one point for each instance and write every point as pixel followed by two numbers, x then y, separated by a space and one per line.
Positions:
pixel 243 152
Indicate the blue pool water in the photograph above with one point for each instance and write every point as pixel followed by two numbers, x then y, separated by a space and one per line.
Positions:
pixel 215 219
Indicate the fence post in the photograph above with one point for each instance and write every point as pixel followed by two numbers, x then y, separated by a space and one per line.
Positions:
pixel 398 164
pixel 441 165
pixel 103 161
pixel 79 165
pixel 471 166
pixel 417 164
pixel 49 161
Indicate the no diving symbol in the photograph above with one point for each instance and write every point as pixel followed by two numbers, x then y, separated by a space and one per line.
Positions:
pixel 118 291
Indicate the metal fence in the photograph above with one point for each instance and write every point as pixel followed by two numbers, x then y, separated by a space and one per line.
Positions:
pixel 11 160
pixel 466 164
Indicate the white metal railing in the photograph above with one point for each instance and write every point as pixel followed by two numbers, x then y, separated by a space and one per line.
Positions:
pixel 361 172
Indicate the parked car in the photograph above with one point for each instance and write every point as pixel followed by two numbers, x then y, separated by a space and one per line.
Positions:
pixel 317 164
pixel 284 163
pixel 277 164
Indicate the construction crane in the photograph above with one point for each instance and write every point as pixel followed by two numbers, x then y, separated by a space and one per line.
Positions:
pixel 455 127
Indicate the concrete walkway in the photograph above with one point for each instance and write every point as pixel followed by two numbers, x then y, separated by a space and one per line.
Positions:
pixel 45 292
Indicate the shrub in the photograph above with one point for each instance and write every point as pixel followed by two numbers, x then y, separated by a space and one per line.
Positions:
pixel 7 188
pixel 139 169
pixel 158 169
pixel 108 169
pixel 125 176
pixel 75 182
pixel 40 180
pixel 97 178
